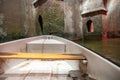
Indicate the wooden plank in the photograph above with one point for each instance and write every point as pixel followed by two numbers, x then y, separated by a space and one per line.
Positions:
pixel 46 56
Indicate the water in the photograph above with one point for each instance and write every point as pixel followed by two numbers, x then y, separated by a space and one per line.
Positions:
pixel 109 48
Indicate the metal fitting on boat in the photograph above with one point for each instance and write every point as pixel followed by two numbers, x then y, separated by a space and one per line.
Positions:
pixel 84 61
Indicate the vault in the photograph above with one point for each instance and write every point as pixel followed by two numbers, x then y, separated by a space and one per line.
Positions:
pixel 39 3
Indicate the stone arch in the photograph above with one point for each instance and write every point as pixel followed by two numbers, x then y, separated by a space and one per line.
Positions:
pixel 39 3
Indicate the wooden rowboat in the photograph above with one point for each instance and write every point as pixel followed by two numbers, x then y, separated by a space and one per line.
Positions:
pixel 45 57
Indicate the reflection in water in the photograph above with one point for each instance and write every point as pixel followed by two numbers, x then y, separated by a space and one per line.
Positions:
pixel 109 48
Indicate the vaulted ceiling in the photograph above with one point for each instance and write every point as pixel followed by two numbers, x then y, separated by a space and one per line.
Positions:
pixel 39 3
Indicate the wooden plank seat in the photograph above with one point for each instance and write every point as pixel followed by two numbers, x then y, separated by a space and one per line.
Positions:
pixel 45 56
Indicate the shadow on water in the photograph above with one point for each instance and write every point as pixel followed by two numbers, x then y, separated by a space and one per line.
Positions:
pixel 109 49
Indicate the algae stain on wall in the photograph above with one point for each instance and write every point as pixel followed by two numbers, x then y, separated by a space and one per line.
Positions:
pixel 17 18
pixel 29 14
pixel 2 32
pixel 52 16
pixel 73 18
pixel 68 19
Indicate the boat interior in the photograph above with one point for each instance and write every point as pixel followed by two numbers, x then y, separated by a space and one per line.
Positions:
pixel 50 57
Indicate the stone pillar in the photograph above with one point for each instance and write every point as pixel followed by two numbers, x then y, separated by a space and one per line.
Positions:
pixel 72 17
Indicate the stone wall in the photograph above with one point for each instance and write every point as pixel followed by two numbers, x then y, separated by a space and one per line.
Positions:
pixel 52 13
pixel 109 20
pixel 93 10
pixel 17 16
pixel 21 16
pixel 113 18
pixel 92 5
pixel 72 10
pixel 97 25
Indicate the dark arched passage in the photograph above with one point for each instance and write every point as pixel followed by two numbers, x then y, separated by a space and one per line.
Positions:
pixel 41 23
pixel 90 27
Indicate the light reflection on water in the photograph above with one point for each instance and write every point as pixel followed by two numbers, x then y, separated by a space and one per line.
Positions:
pixel 108 48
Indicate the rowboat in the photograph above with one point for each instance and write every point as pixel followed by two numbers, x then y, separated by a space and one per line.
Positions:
pixel 49 57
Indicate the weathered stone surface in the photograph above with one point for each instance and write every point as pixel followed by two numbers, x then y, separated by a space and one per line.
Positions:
pixel 2 33
pixel 1 19
pixel 97 23
pixel 92 5
pixel 52 14
pixel 72 10
pixel 18 16
pixel 22 16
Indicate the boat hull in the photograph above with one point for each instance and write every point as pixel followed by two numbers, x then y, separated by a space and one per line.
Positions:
pixel 97 67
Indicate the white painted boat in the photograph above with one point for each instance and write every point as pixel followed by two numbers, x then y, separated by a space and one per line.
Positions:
pixel 42 68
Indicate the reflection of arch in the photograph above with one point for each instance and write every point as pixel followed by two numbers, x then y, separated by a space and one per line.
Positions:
pixel 90 26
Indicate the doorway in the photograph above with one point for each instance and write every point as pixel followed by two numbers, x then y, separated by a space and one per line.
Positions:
pixel 40 23
pixel 90 26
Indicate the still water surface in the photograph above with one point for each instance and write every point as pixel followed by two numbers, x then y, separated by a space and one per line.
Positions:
pixel 109 48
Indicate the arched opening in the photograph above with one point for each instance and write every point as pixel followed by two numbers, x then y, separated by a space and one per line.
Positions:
pixel 90 26
pixel 41 23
